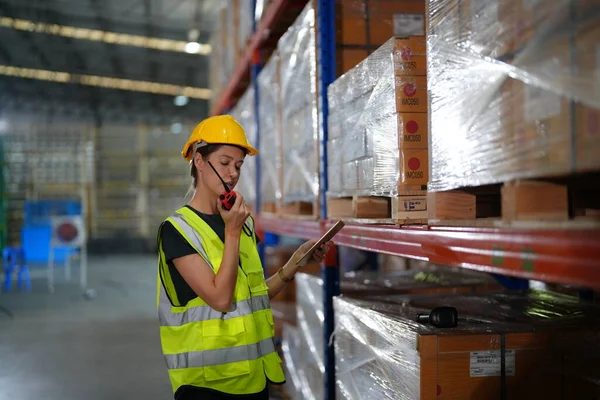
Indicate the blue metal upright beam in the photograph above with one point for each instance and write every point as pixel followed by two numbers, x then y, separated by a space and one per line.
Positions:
pixel 325 22
pixel 255 67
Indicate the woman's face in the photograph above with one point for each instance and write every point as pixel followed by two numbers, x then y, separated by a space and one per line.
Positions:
pixel 228 161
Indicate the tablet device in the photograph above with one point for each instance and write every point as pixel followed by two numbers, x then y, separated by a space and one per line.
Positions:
pixel 324 239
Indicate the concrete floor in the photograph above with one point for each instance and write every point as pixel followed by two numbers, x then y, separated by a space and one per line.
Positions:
pixel 62 346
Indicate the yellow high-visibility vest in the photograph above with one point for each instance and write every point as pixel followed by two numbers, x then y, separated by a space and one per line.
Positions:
pixel 231 352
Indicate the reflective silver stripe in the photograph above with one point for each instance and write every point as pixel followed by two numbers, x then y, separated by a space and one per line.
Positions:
pixel 209 358
pixel 205 313
pixel 192 235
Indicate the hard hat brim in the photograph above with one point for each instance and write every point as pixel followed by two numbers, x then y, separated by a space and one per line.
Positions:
pixel 187 154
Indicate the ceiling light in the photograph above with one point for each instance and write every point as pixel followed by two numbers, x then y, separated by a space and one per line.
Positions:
pixel 180 101
pixel 193 47
pixel 107 82
pixel 106 37
pixel 176 128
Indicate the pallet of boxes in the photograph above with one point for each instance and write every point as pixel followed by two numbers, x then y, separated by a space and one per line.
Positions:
pixel 361 28
pixel 505 346
pixel 303 345
pixel 243 112
pixel 378 150
pixel 377 129
pixel 515 105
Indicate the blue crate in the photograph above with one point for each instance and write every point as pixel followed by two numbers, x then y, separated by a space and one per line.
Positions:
pixel 38 212
pixel 35 240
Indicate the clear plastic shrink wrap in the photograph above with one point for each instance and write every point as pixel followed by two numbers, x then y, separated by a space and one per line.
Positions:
pixel 243 113
pixel 269 114
pixel 514 89
pixel 381 353
pixel 378 122
pixel 309 306
pixel 232 40
pixel 246 16
pixel 290 345
pixel 218 41
pixel 300 148
pixel 310 319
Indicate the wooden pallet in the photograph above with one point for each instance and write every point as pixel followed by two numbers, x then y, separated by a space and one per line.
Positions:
pixel 402 210
pixel 299 210
pixel 572 202
pixel 270 208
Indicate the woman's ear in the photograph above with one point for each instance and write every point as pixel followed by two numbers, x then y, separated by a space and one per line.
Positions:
pixel 198 161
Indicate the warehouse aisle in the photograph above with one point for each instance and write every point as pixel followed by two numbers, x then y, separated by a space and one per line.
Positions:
pixel 63 346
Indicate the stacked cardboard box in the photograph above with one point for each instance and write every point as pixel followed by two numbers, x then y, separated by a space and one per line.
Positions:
pixel 309 307
pixel 300 149
pixel 516 83
pixel 226 44
pixel 378 140
pixel 505 346
pixel 362 26
pixel 269 116
pixel 244 113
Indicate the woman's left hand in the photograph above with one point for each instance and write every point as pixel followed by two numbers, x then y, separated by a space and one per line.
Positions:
pixel 318 255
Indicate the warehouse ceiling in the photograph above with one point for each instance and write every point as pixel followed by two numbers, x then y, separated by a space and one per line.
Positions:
pixel 122 39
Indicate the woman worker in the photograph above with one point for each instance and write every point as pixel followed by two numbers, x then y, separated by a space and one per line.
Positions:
pixel 216 325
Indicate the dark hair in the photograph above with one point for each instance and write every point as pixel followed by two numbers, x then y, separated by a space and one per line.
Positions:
pixel 205 151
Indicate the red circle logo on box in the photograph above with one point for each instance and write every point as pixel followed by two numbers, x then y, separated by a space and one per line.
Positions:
pixel 67 232
pixel 414 163
pixel 412 127
pixel 410 89
pixel 406 53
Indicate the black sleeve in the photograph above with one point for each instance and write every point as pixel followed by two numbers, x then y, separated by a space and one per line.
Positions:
pixel 174 245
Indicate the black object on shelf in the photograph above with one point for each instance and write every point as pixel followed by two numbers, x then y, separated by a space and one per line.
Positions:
pixel 440 317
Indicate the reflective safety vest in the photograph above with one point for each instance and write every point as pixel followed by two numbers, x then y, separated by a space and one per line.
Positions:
pixel 231 352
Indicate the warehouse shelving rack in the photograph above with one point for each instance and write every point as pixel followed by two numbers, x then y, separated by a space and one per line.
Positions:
pixel 565 256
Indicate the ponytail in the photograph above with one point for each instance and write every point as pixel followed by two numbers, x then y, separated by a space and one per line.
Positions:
pixel 194 175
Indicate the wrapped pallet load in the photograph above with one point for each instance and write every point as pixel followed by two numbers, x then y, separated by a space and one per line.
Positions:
pixel 514 346
pixel 246 18
pixel 378 141
pixel 300 167
pixel 515 95
pixel 269 115
pixel 244 113
pixel 310 317
pixel 290 347
pixel 232 37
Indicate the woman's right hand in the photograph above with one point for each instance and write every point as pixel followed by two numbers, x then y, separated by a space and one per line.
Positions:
pixel 236 217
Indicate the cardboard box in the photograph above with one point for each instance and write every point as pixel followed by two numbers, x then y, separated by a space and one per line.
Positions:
pixel 587 133
pixel 411 94
pixel 415 167
pixel 348 58
pixel 444 21
pixel 364 25
pixel 541 119
pixel 534 18
pixel 410 56
pixel 542 131
pixel 488 25
pixel 412 131
pixel 372 23
pixel 500 346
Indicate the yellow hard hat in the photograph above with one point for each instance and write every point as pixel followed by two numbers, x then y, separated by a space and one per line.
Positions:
pixel 221 129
